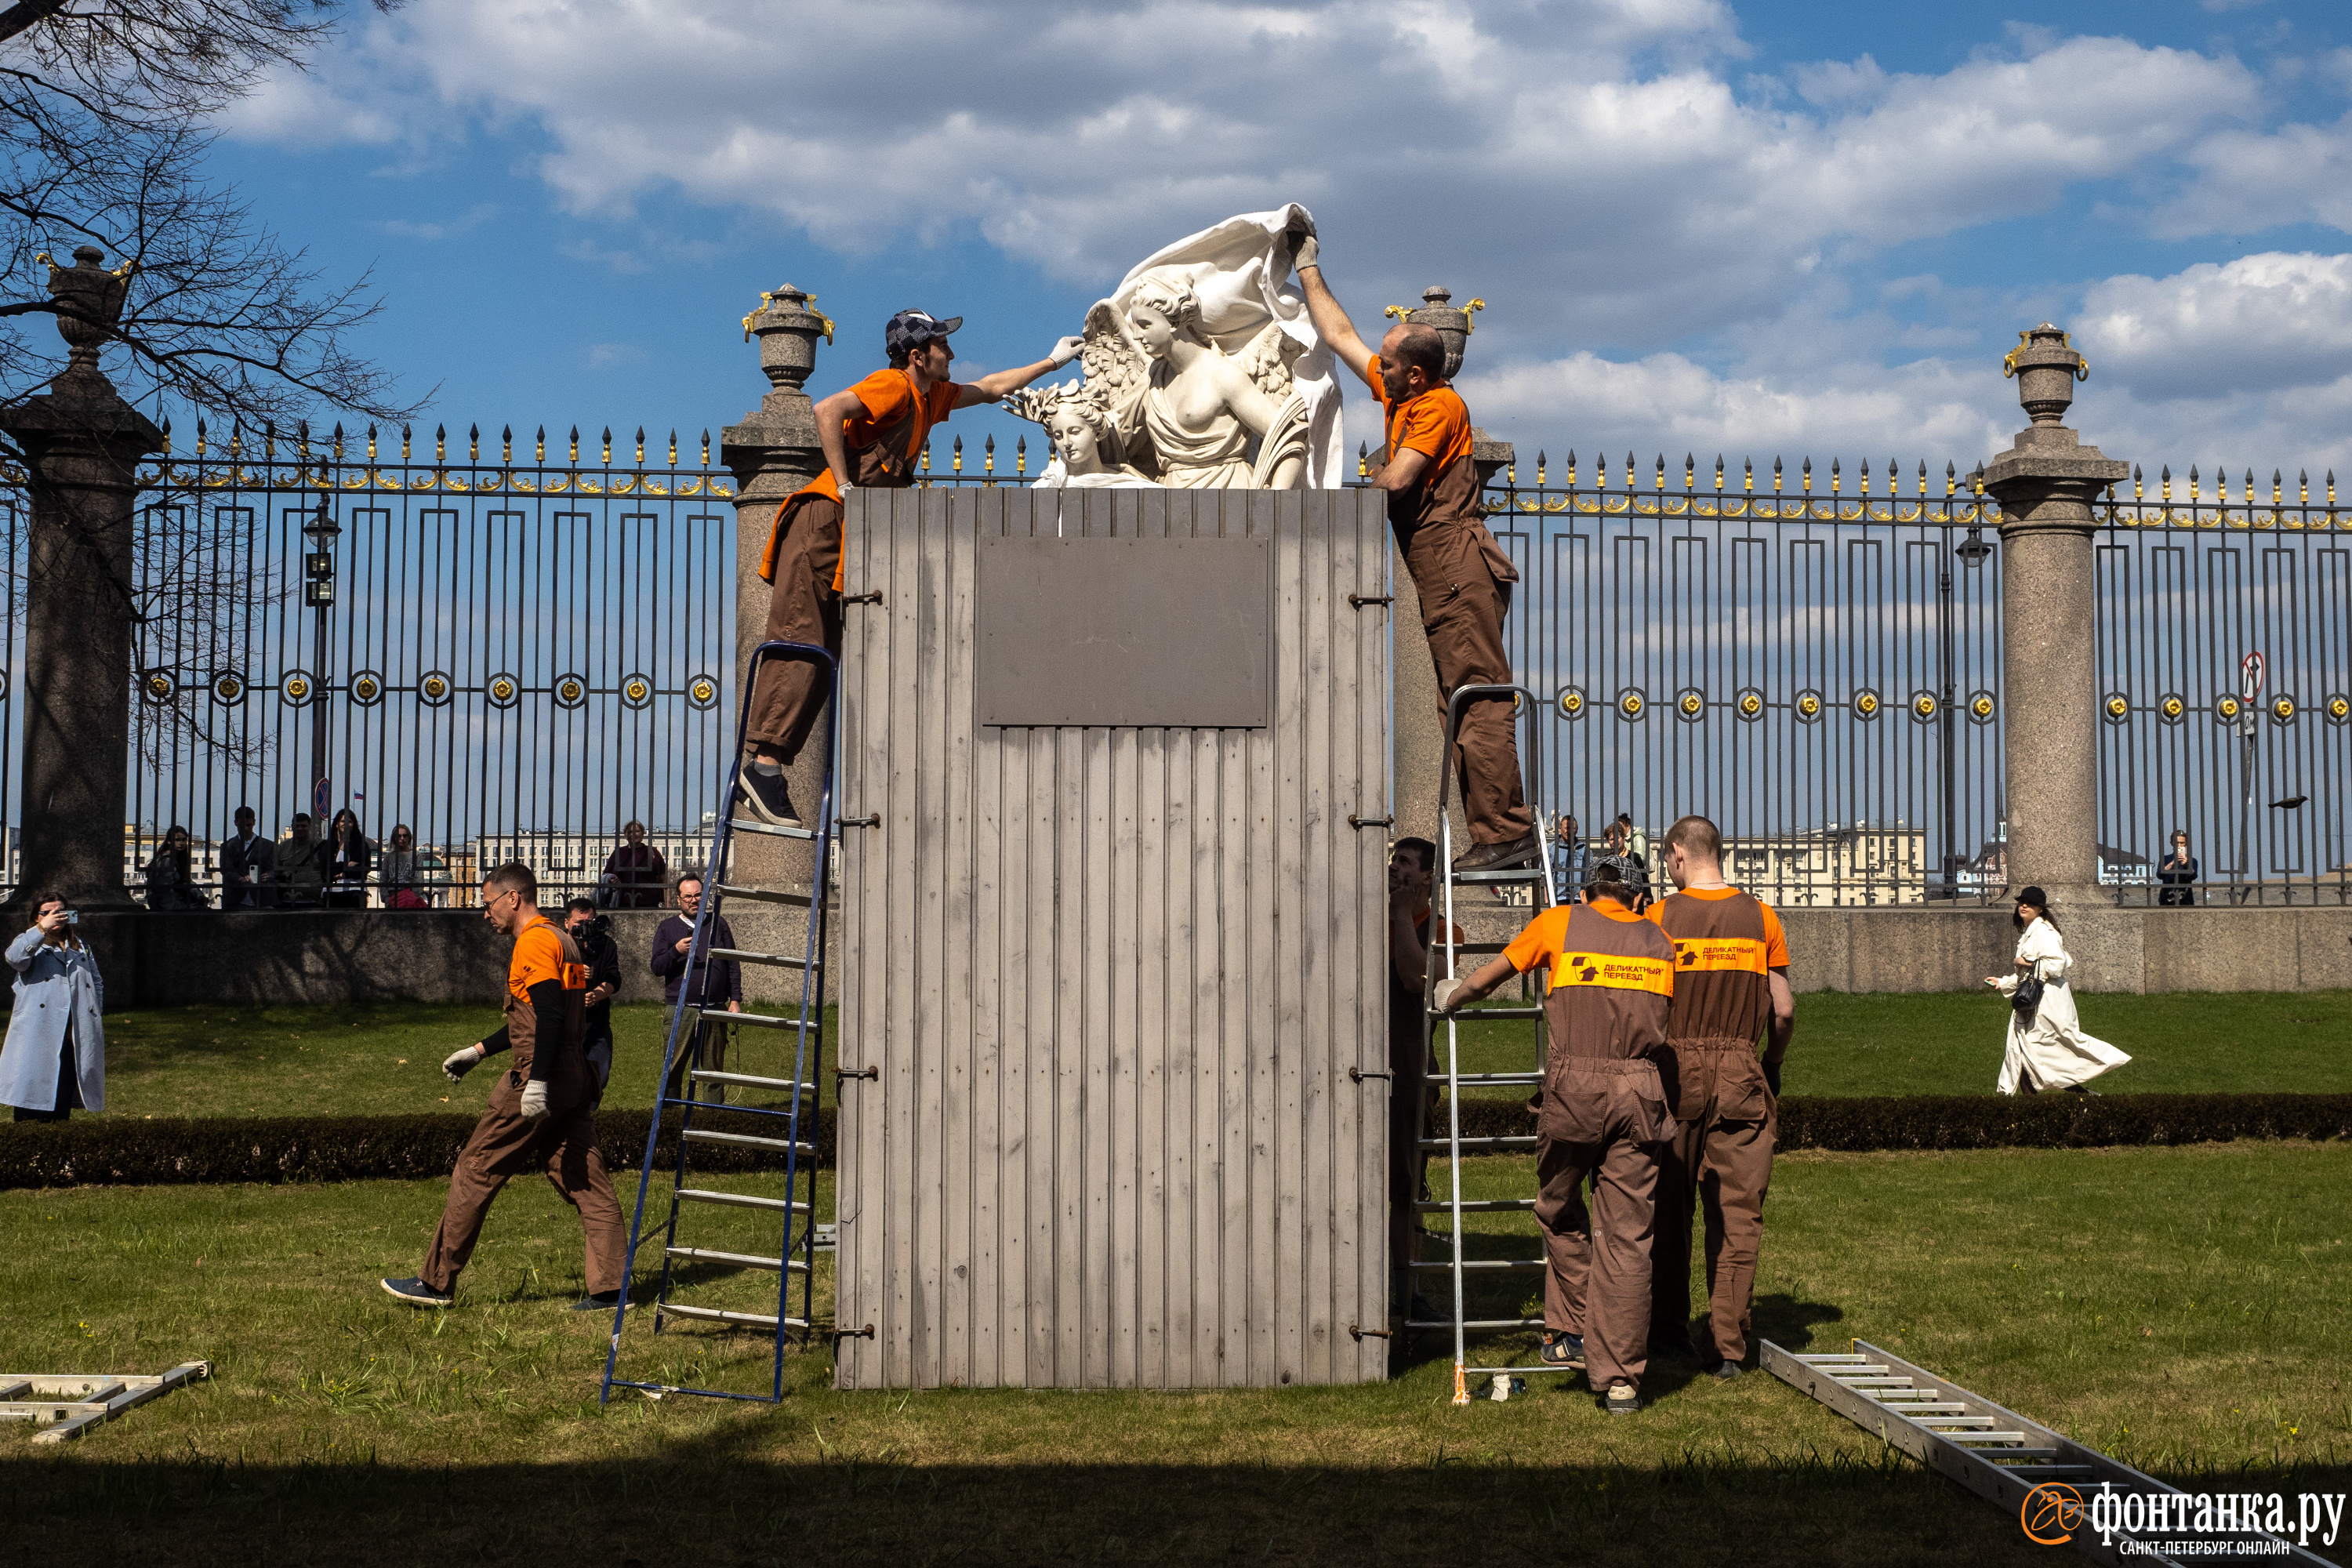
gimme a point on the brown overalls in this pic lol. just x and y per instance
(1725, 1115)
(1603, 1114)
(803, 563)
(1465, 581)
(504, 1143)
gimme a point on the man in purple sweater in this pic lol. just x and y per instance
(710, 983)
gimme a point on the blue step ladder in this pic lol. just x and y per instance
(699, 1120)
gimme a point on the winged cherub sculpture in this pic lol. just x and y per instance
(1206, 370)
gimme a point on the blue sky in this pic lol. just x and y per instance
(1794, 229)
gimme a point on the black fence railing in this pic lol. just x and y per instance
(497, 656)
(2224, 658)
(518, 657)
(1817, 670)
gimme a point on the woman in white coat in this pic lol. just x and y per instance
(55, 1059)
(2047, 1048)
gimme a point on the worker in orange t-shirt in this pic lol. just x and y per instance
(873, 435)
(1464, 577)
(541, 1112)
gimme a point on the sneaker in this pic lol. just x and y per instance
(768, 796)
(1623, 1399)
(1511, 856)
(417, 1293)
(599, 1301)
(1725, 1371)
(1563, 1350)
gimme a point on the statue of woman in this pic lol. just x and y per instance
(1206, 416)
(1086, 444)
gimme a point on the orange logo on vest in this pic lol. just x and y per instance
(1614, 972)
(1740, 953)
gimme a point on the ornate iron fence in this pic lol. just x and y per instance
(1817, 669)
(476, 648)
(505, 652)
(2192, 584)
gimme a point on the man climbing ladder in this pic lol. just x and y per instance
(873, 435)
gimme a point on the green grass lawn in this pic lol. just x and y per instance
(1950, 1043)
(378, 1058)
(2183, 1308)
(355, 1058)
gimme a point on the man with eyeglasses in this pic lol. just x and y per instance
(539, 1111)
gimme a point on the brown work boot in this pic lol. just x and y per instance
(1509, 857)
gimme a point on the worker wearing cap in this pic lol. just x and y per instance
(1731, 985)
(539, 1112)
(873, 435)
(1463, 576)
(1602, 1114)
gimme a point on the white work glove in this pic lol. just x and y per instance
(1065, 351)
(1304, 245)
(460, 1063)
(1441, 999)
(534, 1100)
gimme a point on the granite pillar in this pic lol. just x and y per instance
(2047, 484)
(81, 444)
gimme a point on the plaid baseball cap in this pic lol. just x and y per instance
(911, 330)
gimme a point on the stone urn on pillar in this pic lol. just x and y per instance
(81, 443)
(2048, 484)
(772, 451)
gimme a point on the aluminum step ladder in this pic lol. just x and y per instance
(1444, 958)
(788, 1051)
(2057, 1487)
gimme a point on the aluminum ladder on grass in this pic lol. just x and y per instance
(2053, 1484)
(1453, 1146)
(701, 1118)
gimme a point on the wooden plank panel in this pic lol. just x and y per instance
(902, 1074)
(991, 1242)
(1151, 1032)
(1278, 916)
(969, 1077)
(1318, 925)
(850, 1284)
(1243, 976)
(1375, 666)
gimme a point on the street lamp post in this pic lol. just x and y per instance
(1972, 553)
(319, 594)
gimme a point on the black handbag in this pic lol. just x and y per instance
(2026, 1000)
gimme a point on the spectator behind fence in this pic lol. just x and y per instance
(635, 872)
(172, 875)
(593, 935)
(710, 984)
(1568, 855)
(249, 865)
(396, 872)
(348, 854)
(302, 866)
(2179, 872)
(55, 1059)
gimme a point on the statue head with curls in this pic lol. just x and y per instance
(1160, 312)
(1082, 433)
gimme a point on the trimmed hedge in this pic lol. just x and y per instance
(102, 1151)
(2008, 1121)
(111, 1151)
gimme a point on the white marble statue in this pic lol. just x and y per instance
(1086, 444)
(1206, 372)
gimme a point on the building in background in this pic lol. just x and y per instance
(1843, 864)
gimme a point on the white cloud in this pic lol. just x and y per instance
(1589, 160)
(472, 218)
(614, 356)
(2272, 321)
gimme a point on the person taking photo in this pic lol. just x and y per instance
(55, 1059)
